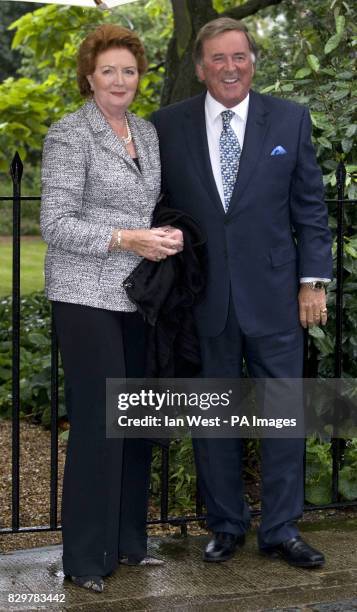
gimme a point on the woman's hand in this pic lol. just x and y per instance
(173, 232)
(155, 244)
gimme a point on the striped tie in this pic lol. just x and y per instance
(230, 153)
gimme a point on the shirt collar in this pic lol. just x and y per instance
(214, 108)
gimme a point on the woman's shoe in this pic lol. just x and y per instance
(137, 561)
(92, 583)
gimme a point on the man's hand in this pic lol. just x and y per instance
(312, 306)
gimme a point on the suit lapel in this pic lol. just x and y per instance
(106, 135)
(255, 132)
(196, 138)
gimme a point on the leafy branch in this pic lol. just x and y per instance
(250, 8)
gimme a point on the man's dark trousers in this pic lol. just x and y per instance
(219, 460)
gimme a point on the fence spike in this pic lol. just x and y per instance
(16, 168)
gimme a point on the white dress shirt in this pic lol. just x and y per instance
(214, 125)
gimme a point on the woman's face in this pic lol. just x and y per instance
(115, 80)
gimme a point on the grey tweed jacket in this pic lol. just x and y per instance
(90, 185)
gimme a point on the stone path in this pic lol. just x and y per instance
(249, 582)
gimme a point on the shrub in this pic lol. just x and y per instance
(35, 359)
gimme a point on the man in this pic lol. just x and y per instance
(243, 165)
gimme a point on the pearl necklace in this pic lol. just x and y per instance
(127, 140)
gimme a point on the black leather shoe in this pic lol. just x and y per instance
(222, 547)
(296, 552)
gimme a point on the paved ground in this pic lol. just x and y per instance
(184, 583)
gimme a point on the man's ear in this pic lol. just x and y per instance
(200, 72)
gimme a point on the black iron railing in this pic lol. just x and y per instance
(337, 444)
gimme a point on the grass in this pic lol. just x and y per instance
(32, 253)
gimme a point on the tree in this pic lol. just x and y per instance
(310, 57)
(48, 40)
(10, 60)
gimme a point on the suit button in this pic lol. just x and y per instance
(226, 221)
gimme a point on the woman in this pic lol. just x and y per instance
(100, 184)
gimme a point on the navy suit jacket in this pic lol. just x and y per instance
(275, 230)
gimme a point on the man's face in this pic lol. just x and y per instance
(227, 67)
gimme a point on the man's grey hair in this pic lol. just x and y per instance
(219, 26)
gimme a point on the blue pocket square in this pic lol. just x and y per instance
(278, 151)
